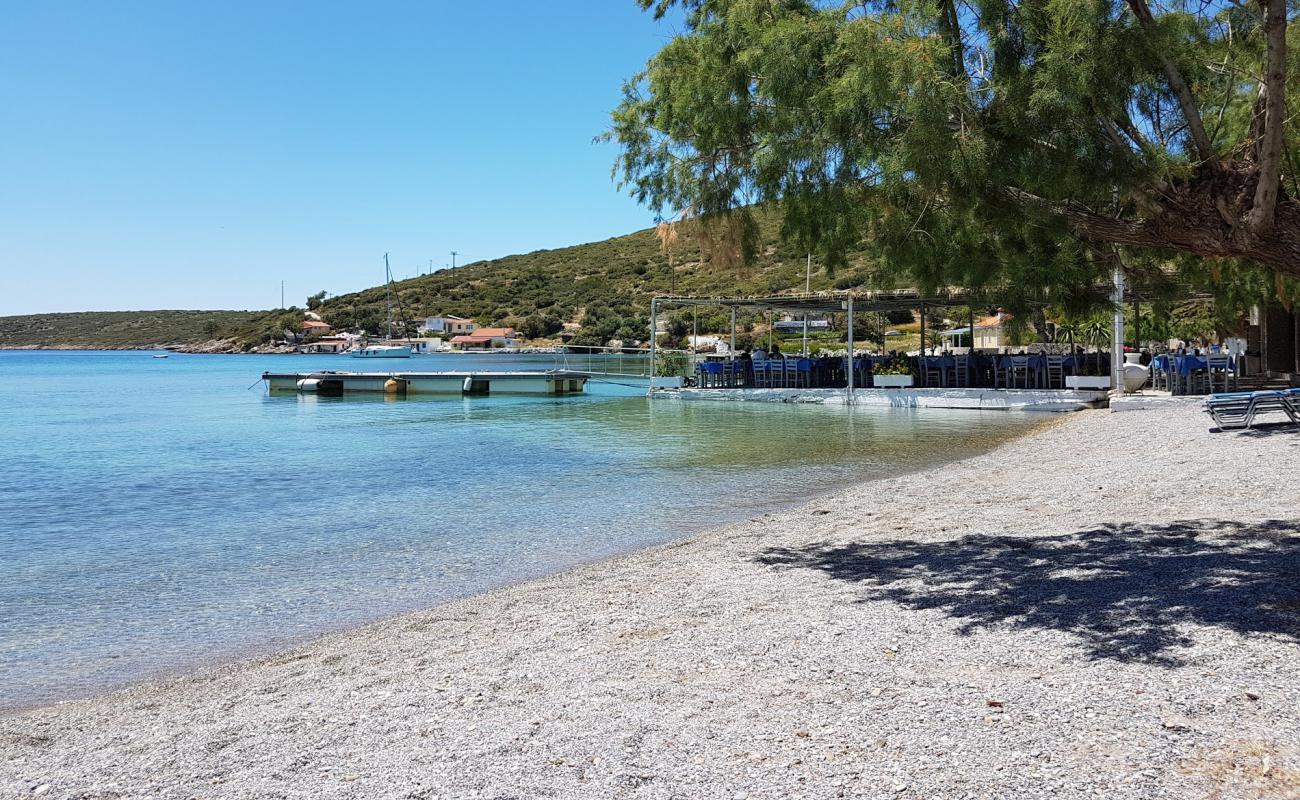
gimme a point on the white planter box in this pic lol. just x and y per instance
(1099, 383)
(891, 381)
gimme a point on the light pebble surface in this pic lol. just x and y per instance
(1107, 607)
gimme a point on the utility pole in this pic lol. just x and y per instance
(453, 259)
(282, 294)
(430, 266)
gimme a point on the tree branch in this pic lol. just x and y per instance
(1195, 125)
(950, 25)
(1260, 218)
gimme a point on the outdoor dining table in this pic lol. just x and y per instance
(1036, 365)
(1189, 368)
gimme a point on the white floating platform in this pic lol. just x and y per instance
(978, 399)
(458, 382)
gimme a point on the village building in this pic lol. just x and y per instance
(330, 345)
(449, 324)
(788, 324)
(993, 333)
(486, 339)
(315, 329)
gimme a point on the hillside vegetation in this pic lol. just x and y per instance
(606, 286)
(118, 329)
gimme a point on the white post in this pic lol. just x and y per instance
(653, 342)
(850, 356)
(1117, 334)
(807, 289)
(733, 332)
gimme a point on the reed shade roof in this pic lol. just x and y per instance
(887, 300)
(825, 302)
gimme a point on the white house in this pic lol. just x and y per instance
(486, 339)
(993, 333)
(449, 324)
(424, 345)
(333, 344)
(789, 324)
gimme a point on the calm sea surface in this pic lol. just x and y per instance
(156, 513)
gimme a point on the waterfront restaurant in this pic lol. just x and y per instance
(1047, 375)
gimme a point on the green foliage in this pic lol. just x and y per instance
(899, 316)
(118, 329)
(672, 364)
(935, 143)
(606, 286)
(895, 366)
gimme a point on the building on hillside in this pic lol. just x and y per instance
(789, 324)
(315, 329)
(956, 337)
(993, 333)
(486, 339)
(449, 324)
(711, 343)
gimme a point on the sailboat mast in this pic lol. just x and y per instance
(388, 299)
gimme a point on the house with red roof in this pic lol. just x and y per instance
(486, 339)
(315, 329)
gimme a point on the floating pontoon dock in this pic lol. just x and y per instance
(472, 383)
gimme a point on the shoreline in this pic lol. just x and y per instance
(251, 654)
(823, 647)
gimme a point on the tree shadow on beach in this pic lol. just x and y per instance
(1129, 592)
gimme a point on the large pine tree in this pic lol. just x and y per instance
(1023, 144)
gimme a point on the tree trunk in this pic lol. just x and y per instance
(1277, 248)
(1260, 219)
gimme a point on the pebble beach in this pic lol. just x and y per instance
(1106, 607)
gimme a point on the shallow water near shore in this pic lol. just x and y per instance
(158, 513)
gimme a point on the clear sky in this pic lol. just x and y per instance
(192, 155)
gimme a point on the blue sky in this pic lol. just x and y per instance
(192, 155)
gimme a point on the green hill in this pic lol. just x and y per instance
(606, 286)
(111, 330)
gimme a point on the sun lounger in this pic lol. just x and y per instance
(1239, 409)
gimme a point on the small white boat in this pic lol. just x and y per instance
(160, 356)
(382, 351)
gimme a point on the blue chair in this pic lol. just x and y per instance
(803, 372)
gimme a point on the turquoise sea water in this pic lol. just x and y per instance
(156, 513)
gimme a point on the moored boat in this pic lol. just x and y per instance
(383, 349)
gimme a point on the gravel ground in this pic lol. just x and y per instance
(1107, 607)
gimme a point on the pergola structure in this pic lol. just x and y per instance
(830, 302)
(850, 301)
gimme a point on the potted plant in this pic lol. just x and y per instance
(894, 374)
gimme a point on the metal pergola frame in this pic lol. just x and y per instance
(896, 299)
(820, 302)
